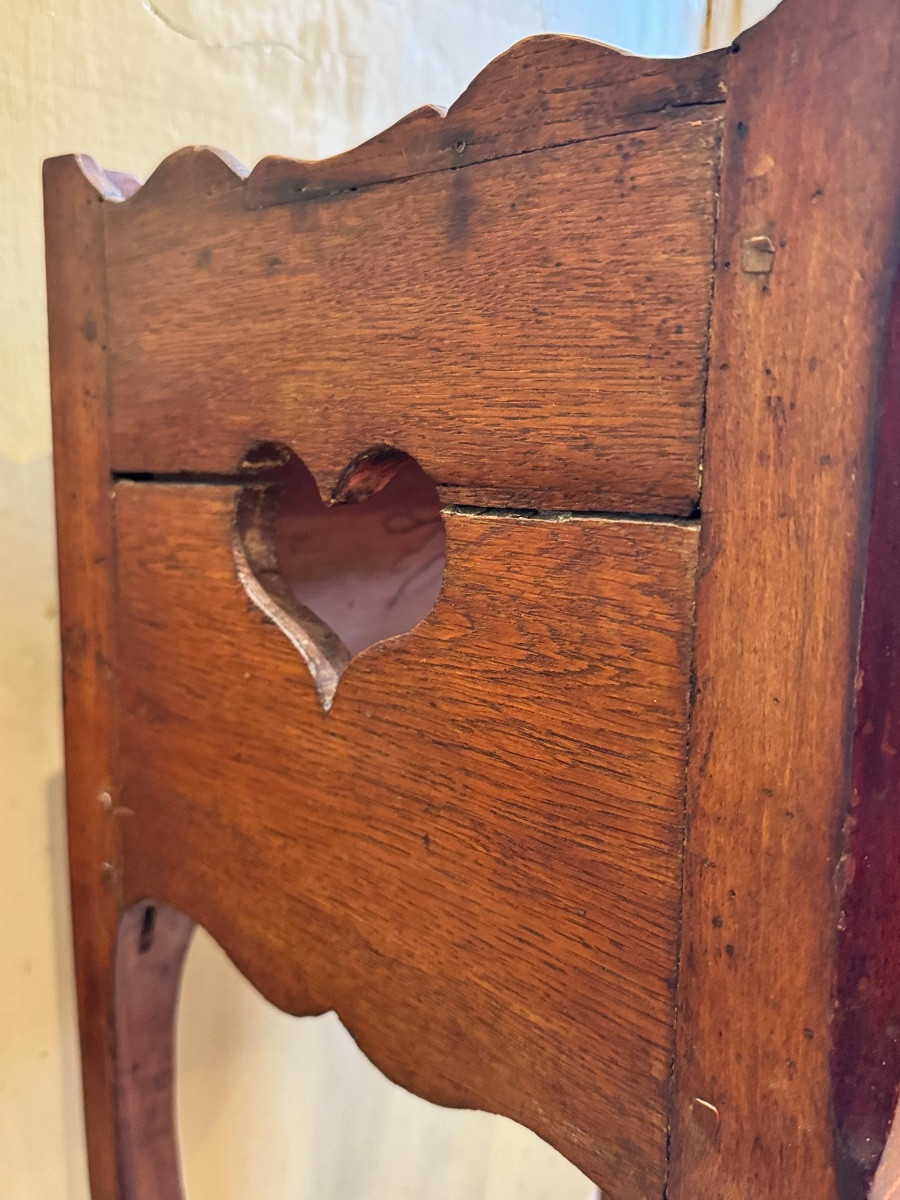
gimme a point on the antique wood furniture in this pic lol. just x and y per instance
(606, 837)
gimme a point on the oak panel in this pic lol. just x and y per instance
(532, 329)
(811, 163)
(475, 857)
(546, 90)
(73, 215)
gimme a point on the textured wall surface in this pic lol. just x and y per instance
(270, 1108)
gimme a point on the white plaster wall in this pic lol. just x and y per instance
(270, 1108)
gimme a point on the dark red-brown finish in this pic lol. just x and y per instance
(866, 1062)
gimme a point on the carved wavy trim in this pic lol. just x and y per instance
(153, 939)
(545, 91)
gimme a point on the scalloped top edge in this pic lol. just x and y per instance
(549, 89)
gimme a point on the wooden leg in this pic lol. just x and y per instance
(151, 947)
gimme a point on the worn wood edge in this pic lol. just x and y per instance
(866, 1029)
(74, 192)
(257, 568)
(429, 139)
(151, 946)
(699, 1158)
(109, 185)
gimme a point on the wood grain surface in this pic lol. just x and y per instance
(811, 164)
(475, 857)
(151, 946)
(544, 91)
(532, 329)
(539, 858)
(74, 194)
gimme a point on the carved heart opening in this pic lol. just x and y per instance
(341, 576)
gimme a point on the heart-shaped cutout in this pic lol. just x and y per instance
(341, 576)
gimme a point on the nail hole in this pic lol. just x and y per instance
(148, 928)
(340, 577)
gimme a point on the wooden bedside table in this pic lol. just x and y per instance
(568, 782)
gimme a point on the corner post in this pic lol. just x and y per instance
(806, 257)
(74, 194)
